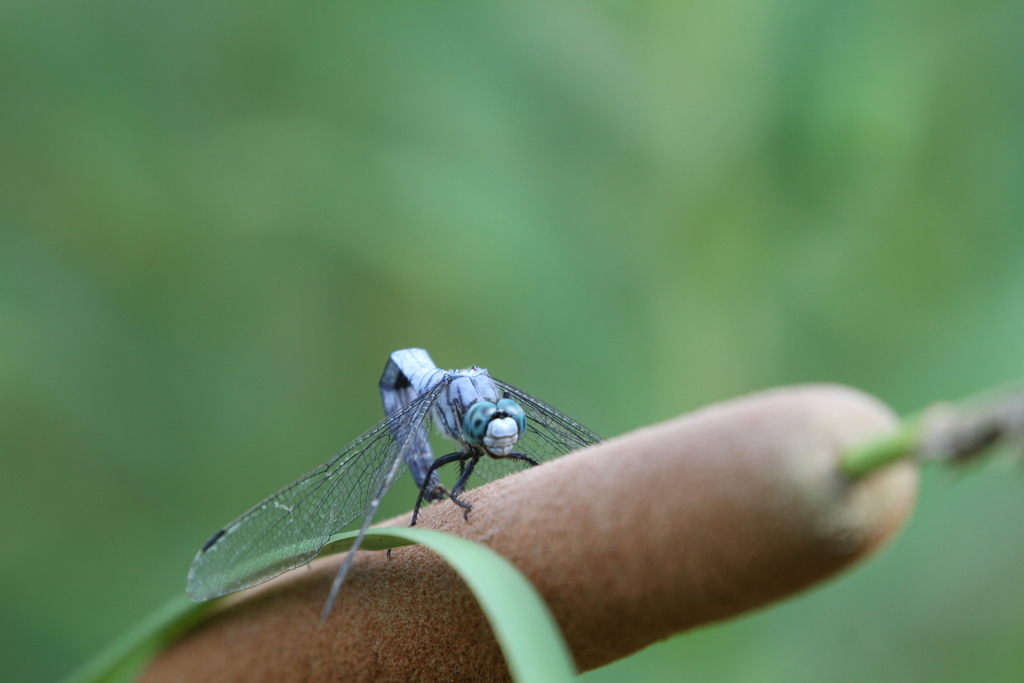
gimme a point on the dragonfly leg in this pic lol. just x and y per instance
(438, 491)
(465, 471)
(466, 507)
(419, 501)
(460, 486)
(517, 456)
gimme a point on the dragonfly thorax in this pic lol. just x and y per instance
(464, 388)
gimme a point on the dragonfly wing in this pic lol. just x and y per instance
(288, 529)
(409, 433)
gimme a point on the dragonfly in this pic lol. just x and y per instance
(496, 428)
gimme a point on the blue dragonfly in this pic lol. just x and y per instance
(497, 429)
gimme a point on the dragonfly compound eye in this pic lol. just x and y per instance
(474, 425)
(515, 411)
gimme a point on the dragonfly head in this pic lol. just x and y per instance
(494, 426)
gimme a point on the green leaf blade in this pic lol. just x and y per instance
(526, 631)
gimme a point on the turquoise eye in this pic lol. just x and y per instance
(515, 411)
(474, 425)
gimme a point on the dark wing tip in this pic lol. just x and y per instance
(213, 539)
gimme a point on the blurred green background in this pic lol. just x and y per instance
(218, 219)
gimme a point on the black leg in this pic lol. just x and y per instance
(517, 456)
(465, 471)
(466, 507)
(459, 457)
(460, 486)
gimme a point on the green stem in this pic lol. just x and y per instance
(874, 454)
(950, 433)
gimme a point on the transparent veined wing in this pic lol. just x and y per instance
(550, 433)
(288, 529)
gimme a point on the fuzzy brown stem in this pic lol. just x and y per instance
(688, 522)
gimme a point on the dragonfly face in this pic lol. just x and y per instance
(496, 427)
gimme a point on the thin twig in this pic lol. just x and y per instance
(946, 432)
